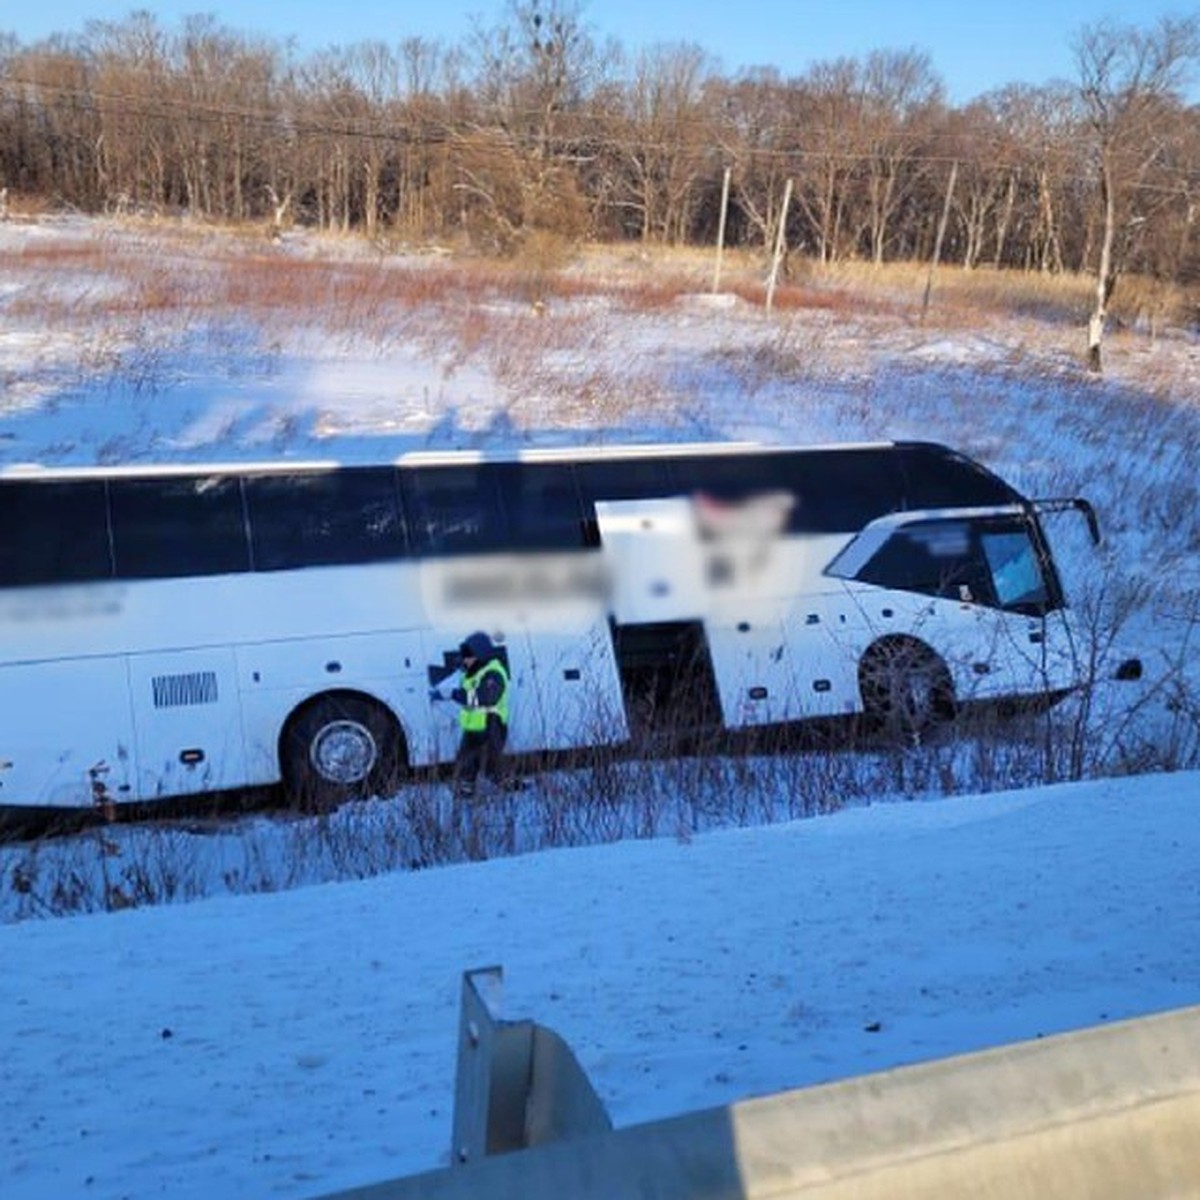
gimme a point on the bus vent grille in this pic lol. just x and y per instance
(176, 691)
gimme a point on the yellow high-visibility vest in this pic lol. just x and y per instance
(472, 717)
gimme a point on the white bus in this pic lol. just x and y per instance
(191, 628)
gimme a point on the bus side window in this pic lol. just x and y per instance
(727, 478)
(53, 531)
(541, 505)
(618, 479)
(937, 477)
(934, 558)
(174, 526)
(454, 509)
(840, 491)
(322, 518)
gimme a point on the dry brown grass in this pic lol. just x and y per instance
(171, 276)
(347, 282)
(955, 293)
(24, 206)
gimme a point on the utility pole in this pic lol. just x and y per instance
(721, 231)
(779, 243)
(941, 233)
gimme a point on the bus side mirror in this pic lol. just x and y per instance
(1089, 515)
(1080, 505)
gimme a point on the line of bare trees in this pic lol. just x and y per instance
(533, 126)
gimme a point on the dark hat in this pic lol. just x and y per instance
(478, 645)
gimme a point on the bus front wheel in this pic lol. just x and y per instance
(339, 747)
(905, 688)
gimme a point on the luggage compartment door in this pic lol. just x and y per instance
(188, 719)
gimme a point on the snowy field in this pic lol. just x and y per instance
(286, 1044)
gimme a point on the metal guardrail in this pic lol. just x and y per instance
(1108, 1113)
(519, 1084)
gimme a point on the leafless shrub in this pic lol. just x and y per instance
(538, 257)
(605, 795)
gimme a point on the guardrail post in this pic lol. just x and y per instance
(518, 1084)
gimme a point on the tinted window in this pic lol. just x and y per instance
(991, 561)
(178, 526)
(841, 490)
(834, 491)
(935, 558)
(455, 509)
(319, 518)
(622, 479)
(936, 477)
(541, 505)
(739, 493)
(838, 491)
(53, 532)
(730, 477)
(618, 479)
(1016, 573)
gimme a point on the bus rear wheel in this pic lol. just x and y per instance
(340, 747)
(905, 688)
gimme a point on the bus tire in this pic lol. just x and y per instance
(905, 687)
(340, 746)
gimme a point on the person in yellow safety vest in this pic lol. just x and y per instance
(482, 717)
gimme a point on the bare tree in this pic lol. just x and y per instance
(831, 130)
(754, 127)
(901, 94)
(57, 123)
(424, 195)
(529, 129)
(663, 143)
(1161, 244)
(333, 116)
(985, 192)
(1042, 125)
(533, 73)
(1129, 80)
(376, 73)
(859, 137)
(130, 69)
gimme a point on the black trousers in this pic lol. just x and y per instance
(481, 752)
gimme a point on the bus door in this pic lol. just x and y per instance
(188, 721)
(67, 737)
(661, 604)
(752, 666)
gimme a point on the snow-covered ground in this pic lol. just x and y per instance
(286, 1044)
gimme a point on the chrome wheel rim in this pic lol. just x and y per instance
(343, 752)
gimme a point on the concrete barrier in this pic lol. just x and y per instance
(1108, 1113)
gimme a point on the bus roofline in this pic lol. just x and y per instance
(23, 471)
